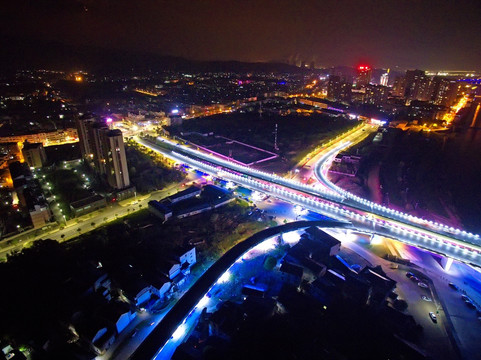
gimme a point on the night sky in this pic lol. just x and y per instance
(425, 34)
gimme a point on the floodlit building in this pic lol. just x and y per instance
(385, 78)
(444, 91)
(56, 137)
(34, 154)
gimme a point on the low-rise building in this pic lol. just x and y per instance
(30, 194)
(171, 268)
(191, 201)
(40, 215)
(322, 240)
(98, 332)
(160, 210)
(118, 313)
(188, 193)
(314, 249)
(46, 138)
(87, 205)
(34, 154)
(291, 273)
(186, 257)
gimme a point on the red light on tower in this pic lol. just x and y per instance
(363, 75)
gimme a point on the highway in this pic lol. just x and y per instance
(321, 169)
(333, 202)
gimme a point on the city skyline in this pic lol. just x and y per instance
(425, 35)
(240, 179)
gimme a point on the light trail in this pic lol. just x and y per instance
(368, 215)
(321, 168)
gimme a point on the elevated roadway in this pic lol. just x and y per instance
(333, 201)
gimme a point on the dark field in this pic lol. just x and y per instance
(230, 148)
(297, 134)
(432, 175)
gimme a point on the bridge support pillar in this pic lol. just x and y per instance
(446, 263)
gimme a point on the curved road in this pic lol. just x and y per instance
(170, 332)
(390, 222)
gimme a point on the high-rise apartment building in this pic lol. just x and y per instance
(384, 78)
(444, 91)
(83, 128)
(338, 89)
(104, 150)
(399, 86)
(417, 86)
(115, 160)
(375, 94)
(364, 74)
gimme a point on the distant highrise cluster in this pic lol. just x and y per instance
(416, 85)
(104, 149)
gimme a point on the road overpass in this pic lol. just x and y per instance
(334, 202)
(321, 169)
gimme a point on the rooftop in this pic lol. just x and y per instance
(190, 190)
(89, 200)
(29, 146)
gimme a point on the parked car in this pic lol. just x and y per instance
(423, 285)
(409, 274)
(433, 317)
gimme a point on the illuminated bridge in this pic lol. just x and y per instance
(335, 202)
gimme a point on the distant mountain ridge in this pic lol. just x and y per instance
(34, 54)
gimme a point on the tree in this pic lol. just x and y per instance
(62, 236)
(92, 224)
(270, 262)
(79, 230)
